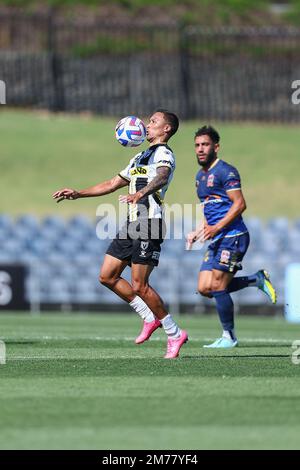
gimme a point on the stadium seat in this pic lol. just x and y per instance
(64, 260)
(56, 292)
(68, 246)
(296, 224)
(80, 222)
(40, 246)
(54, 221)
(13, 248)
(6, 222)
(254, 224)
(279, 225)
(27, 221)
(50, 233)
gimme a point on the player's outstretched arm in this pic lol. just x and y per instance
(100, 189)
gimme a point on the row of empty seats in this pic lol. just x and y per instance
(63, 260)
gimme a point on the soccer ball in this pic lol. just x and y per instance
(130, 131)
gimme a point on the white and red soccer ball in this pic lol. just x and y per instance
(130, 131)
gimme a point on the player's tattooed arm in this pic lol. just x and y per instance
(157, 183)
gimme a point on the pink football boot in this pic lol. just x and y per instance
(174, 345)
(148, 329)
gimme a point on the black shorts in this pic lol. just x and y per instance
(137, 250)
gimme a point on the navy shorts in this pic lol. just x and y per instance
(141, 247)
(136, 251)
(226, 254)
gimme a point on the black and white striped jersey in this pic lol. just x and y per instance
(141, 170)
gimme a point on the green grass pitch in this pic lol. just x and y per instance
(80, 382)
(42, 152)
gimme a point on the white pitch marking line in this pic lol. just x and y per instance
(127, 338)
(42, 358)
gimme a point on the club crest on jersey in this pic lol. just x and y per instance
(210, 181)
(225, 257)
(139, 170)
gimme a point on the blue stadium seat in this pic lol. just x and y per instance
(85, 291)
(271, 243)
(173, 247)
(297, 224)
(50, 233)
(95, 246)
(279, 225)
(68, 246)
(6, 258)
(57, 291)
(84, 259)
(53, 222)
(64, 260)
(254, 224)
(54, 256)
(256, 228)
(4, 235)
(251, 296)
(25, 234)
(27, 221)
(6, 222)
(13, 248)
(40, 246)
(80, 222)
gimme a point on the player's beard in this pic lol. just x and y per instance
(211, 156)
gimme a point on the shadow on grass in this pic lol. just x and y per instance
(12, 341)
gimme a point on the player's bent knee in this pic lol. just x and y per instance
(139, 288)
(105, 280)
(217, 286)
(205, 291)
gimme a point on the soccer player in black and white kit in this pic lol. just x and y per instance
(148, 176)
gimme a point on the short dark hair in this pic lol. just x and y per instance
(210, 131)
(171, 119)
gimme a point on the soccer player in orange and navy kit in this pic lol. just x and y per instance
(219, 190)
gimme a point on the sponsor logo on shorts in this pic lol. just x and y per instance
(144, 246)
(225, 257)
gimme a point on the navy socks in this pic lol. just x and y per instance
(239, 283)
(225, 308)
